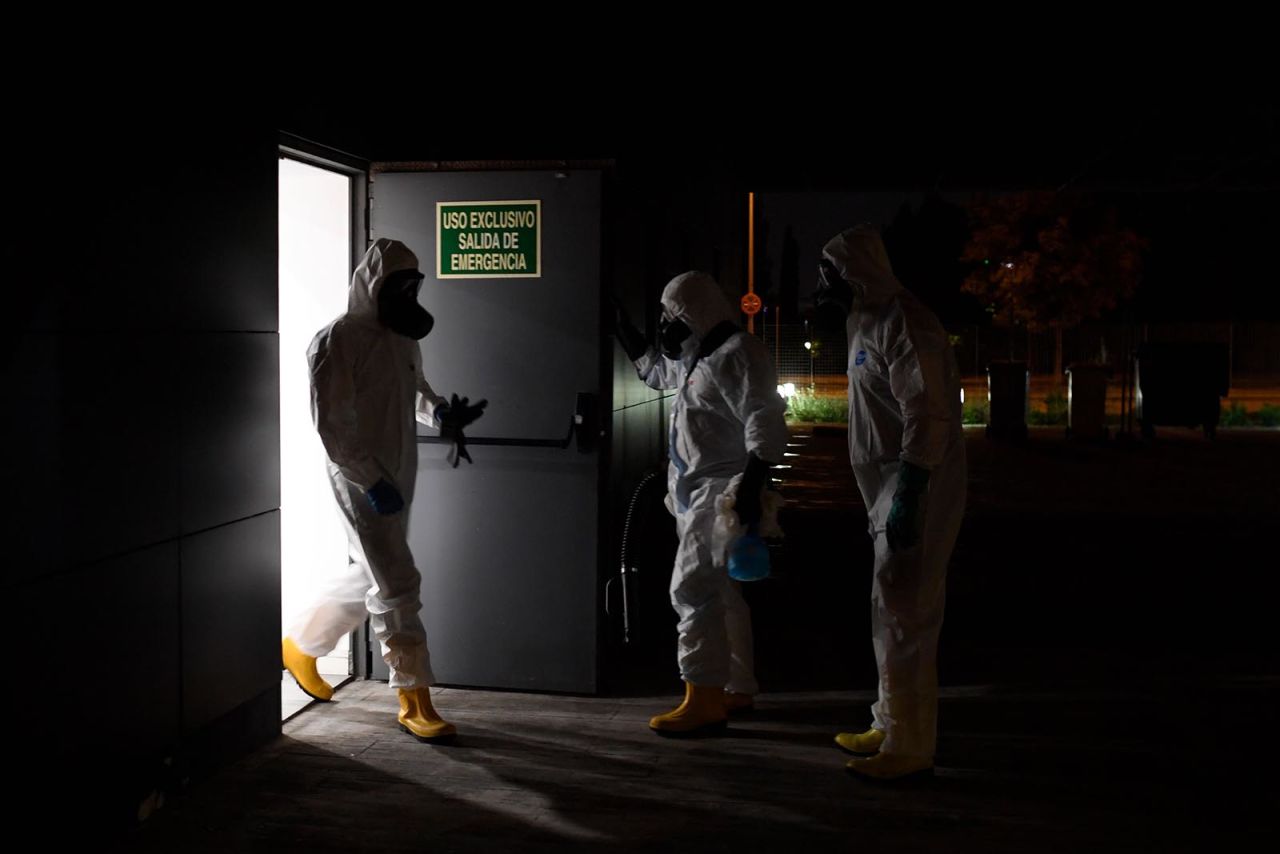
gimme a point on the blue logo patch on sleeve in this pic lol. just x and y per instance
(860, 357)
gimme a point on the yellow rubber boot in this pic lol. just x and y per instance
(890, 766)
(303, 669)
(861, 743)
(735, 702)
(418, 717)
(703, 709)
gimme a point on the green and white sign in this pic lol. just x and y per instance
(489, 240)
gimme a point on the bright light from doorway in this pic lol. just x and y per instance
(315, 262)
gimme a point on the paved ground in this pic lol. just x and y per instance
(1109, 683)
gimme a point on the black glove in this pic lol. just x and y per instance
(457, 450)
(902, 529)
(458, 413)
(453, 417)
(631, 338)
(384, 498)
(747, 503)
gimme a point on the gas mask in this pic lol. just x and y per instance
(674, 337)
(398, 308)
(833, 299)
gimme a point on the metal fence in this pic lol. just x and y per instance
(806, 356)
(813, 359)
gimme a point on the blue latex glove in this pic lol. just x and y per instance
(902, 529)
(385, 498)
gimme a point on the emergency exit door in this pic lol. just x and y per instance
(508, 547)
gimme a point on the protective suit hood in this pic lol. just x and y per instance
(859, 254)
(384, 257)
(696, 299)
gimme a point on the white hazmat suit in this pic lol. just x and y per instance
(367, 390)
(726, 407)
(904, 407)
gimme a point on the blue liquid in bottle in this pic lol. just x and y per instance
(749, 558)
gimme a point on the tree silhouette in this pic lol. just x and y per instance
(1050, 261)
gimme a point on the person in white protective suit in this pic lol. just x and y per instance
(906, 446)
(367, 390)
(727, 428)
